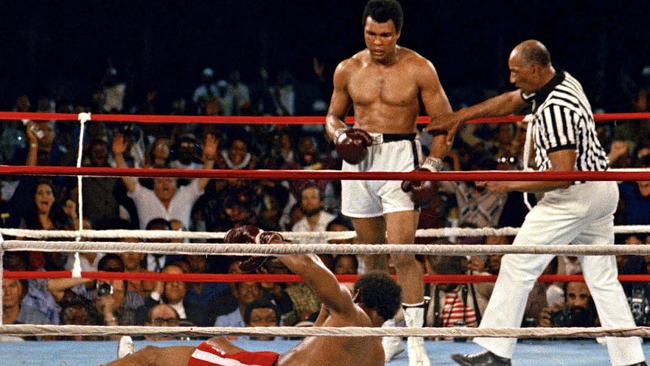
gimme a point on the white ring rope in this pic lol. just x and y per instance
(321, 235)
(292, 249)
(83, 118)
(63, 330)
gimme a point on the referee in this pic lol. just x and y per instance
(564, 136)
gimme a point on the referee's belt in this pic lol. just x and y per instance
(380, 138)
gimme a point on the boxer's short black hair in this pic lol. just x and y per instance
(378, 291)
(384, 10)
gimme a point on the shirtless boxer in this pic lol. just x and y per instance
(376, 299)
(384, 84)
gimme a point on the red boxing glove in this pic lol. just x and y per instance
(352, 144)
(250, 234)
(423, 192)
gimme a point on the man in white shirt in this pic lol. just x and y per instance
(167, 200)
(315, 218)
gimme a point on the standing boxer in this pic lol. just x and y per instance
(565, 139)
(383, 83)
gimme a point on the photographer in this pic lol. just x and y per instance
(637, 293)
(452, 305)
(576, 311)
(115, 304)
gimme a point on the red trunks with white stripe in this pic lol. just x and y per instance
(206, 355)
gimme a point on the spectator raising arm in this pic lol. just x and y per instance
(210, 149)
(32, 153)
(119, 147)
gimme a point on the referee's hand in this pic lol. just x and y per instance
(446, 123)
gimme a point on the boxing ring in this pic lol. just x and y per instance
(579, 349)
(527, 353)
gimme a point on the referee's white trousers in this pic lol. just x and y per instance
(580, 214)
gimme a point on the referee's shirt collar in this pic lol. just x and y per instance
(540, 96)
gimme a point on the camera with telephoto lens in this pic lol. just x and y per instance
(563, 318)
(104, 289)
(639, 304)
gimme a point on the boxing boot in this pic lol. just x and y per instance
(393, 346)
(414, 318)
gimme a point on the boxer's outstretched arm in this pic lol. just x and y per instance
(333, 295)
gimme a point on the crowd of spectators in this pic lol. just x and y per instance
(218, 205)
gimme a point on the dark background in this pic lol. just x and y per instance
(61, 48)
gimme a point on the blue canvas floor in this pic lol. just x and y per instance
(528, 353)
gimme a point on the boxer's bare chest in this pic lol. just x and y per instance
(373, 84)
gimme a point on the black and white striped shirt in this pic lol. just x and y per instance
(563, 120)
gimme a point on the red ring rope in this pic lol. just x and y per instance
(329, 175)
(209, 277)
(258, 120)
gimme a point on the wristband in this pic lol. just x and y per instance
(432, 164)
(338, 133)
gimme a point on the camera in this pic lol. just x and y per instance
(104, 288)
(639, 304)
(37, 131)
(563, 318)
(574, 317)
(129, 131)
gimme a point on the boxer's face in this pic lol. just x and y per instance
(381, 39)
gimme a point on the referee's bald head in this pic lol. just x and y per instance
(533, 52)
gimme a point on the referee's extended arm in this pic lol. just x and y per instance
(501, 105)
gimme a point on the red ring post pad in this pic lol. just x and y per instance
(258, 120)
(209, 277)
(628, 175)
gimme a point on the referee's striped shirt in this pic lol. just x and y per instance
(563, 120)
